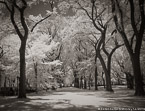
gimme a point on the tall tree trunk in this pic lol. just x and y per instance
(89, 84)
(132, 47)
(129, 80)
(36, 76)
(85, 83)
(139, 90)
(108, 82)
(96, 78)
(22, 85)
(103, 80)
(107, 74)
(22, 32)
(76, 82)
(81, 83)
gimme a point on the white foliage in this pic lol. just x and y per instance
(55, 63)
(38, 46)
(63, 7)
(35, 18)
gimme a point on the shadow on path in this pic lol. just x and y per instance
(71, 99)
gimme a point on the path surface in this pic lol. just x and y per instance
(72, 99)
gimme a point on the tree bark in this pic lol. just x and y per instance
(23, 35)
(81, 83)
(139, 90)
(96, 78)
(108, 83)
(107, 74)
(103, 80)
(76, 80)
(85, 83)
(22, 85)
(138, 31)
(129, 80)
(36, 76)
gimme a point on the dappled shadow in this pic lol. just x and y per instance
(123, 97)
(14, 104)
(140, 103)
(73, 100)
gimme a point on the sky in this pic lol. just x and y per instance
(41, 9)
(37, 9)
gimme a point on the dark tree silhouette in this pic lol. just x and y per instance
(133, 45)
(97, 20)
(12, 6)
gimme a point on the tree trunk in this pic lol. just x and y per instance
(139, 89)
(36, 75)
(22, 87)
(5, 82)
(103, 80)
(85, 83)
(76, 82)
(96, 76)
(81, 83)
(89, 84)
(129, 80)
(107, 74)
(138, 31)
(108, 83)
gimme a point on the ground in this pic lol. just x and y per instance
(73, 99)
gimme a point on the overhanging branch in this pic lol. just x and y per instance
(39, 22)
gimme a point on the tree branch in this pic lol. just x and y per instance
(133, 17)
(6, 5)
(39, 22)
(2, 52)
(104, 50)
(84, 10)
(140, 35)
(122, 33)
(121, 15)
(132, 39)
(14, 23)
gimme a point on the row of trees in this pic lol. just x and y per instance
(88, 40)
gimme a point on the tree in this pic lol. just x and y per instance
(100, 23)
(1, 52)
(122, 68)
(18, 7)
(10, 61)
(39, 47)
(134, 40)
(23, 35)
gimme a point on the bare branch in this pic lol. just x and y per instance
(100, 23)
(100, 13)
(121, 15)
(104, 49)
(133, 17)
(85, 11)
(2, 52)
(39, 22)
(6, 6)
(117, 24)
(91, 41)
(14, 23)
(113, 50)
(94, 36)
(132, 39)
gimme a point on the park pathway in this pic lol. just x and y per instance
(72, 99)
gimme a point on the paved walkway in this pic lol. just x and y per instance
(72, 99)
